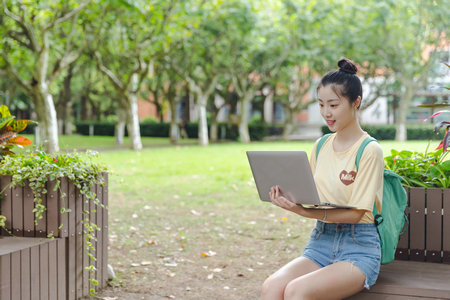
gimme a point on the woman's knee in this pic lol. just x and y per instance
(272, 286)
(297, 290)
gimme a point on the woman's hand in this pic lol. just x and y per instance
(279, 199)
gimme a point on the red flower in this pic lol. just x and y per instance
(54, 159)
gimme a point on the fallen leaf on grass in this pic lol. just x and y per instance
(171, 264)
(208, 254)
(195, 213)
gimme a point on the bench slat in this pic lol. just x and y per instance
(411, 278)
(403, 242)
(79, 244)
(5, 279)
(34, 272)
(25, 279)
(99, 235)
(17, 209)
(6, 203)
(105, 231)
(434, 225)
(28, 214)
(417, 224)
(446, 231)
(71, 245)
(41, 227)
(52, 208)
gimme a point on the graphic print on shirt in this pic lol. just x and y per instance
(347, 178)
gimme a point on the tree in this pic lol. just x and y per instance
(410, 32)
(125, 41)
(34, 53)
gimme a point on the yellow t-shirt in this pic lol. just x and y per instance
(338, 182)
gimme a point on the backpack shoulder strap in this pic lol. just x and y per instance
(359, 154)
(361, 150)
(321, 142)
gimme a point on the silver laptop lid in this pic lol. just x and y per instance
(288, 169)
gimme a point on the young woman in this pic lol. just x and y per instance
(343, 254)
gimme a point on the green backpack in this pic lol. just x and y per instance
(392, 222)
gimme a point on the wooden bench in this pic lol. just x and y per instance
(422, 266)
(34, 267)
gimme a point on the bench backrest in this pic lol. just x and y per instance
(428, 236)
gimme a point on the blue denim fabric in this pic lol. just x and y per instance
(358, 244)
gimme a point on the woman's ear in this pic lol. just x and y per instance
(357, 102)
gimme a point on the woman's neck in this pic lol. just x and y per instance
(347, 136)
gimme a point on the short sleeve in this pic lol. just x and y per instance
(312, 159)
(368, 185)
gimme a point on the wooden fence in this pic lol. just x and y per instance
(428, 236)
(60, 262)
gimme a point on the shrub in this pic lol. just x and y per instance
(387, 132)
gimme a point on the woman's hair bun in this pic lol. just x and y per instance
(347, 66)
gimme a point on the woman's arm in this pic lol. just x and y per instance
(335, 215)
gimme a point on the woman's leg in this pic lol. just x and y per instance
(336, 281)
(274, 286)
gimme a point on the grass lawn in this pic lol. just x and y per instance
(83, 142)
(186, 222)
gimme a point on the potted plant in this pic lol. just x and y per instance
(60, 195)
(426, 177)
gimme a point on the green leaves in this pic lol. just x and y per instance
(8, 129)
(428, 169)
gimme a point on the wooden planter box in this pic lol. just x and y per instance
(17, 205)
(428, 236)
(422, 266)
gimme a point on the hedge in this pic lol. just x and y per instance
(257, 131)
(387, 132)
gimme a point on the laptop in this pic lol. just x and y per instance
(291, 171)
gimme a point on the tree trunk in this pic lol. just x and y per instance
(405, 100)
(68, 109)
(68, 120)
(214, 132)
(202, 121)
(134, 131)
(243, 124)
(174, 130)
(289, 123)
(119, 132)
(46, 117)
(268, 108)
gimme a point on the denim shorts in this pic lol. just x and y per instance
(358, 244)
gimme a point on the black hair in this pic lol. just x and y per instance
(344, 81)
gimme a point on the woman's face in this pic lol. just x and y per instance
(336, 110)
